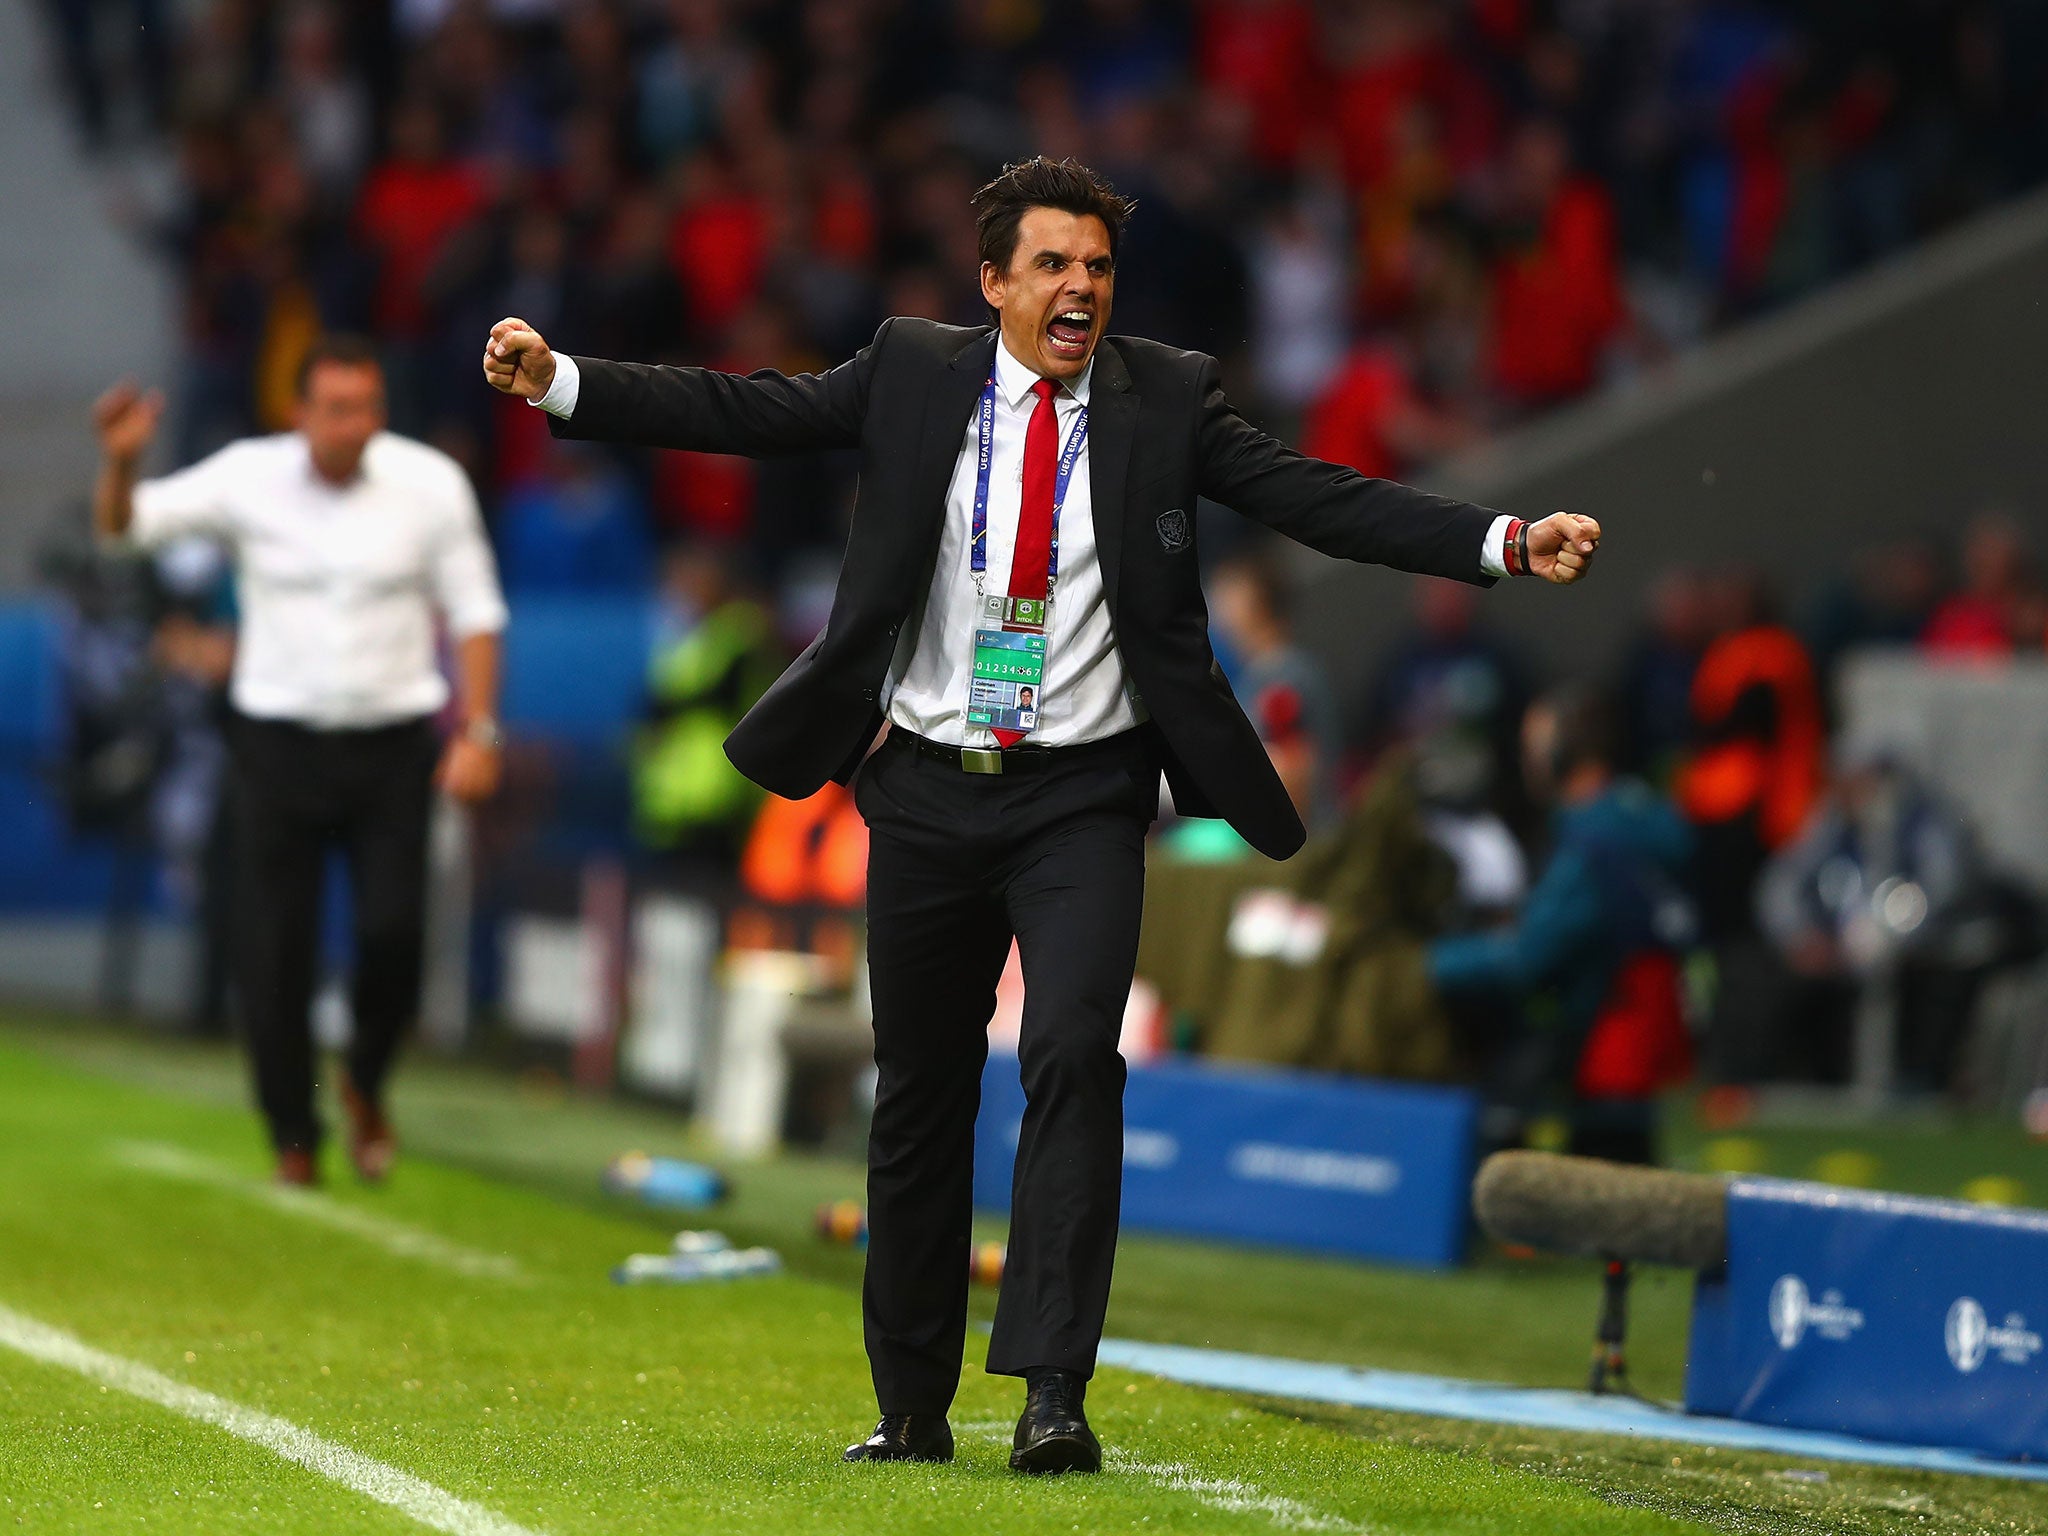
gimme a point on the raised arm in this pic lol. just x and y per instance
(1340, 512)
(196, 500)
(761, 415)
(125, 419)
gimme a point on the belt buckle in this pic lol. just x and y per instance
(981, 760)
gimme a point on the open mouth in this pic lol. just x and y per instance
(1067, 333)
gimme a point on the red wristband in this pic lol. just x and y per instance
(1511, 551)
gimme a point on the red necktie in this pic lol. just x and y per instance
(1034, 518)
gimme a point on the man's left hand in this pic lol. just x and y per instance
(1562, 546)
(469, 770)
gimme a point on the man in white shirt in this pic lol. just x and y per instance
(1022, 534)
(348, 540)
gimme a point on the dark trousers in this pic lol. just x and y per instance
(958, 864)
(300, 794)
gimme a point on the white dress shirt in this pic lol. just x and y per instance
(1087, 693)
(337, 584)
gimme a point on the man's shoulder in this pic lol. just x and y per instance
(1155, 362)
(931, 338)
(270, 450)
(408, 462)
(252, 466)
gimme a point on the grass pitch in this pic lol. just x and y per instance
(458, 1326)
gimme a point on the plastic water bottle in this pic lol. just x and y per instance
(685, 1268)
(665, 1181)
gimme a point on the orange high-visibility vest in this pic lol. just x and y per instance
(808, 852)
(1777, 776)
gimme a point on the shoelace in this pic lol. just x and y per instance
(1059, 1399)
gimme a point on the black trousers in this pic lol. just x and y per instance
(299, 795)
(958, 864)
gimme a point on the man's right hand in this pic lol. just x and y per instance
(125, 418)
(517, 361)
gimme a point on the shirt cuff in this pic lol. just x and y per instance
(560, 400)
(1493, 558)
(486, 615)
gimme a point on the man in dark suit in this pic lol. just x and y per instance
(1071, 461)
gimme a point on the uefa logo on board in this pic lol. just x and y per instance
(1972, 1338)
(1794, 1311)
(1788, 1310)
(1966, 1333)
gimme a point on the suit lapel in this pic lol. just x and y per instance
(1112, 424)
(947, 410)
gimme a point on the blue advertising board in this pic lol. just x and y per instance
(1887, 1316)
(1332, 1165)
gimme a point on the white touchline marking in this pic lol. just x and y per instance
(1227, 1494)
(392, 1236)
(409, 1495)
(990, 1429)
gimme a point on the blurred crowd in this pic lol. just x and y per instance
(1689, 858)
(1403, 224)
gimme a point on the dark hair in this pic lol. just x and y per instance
(1585, 727)
(339, 347)
(1067, 185)
(1261, 568)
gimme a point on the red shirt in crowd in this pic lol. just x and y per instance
(1348, 421)
(710, 495)
(719, 245)
(1555, 305)
(1762, 184)
(1374, 97)
(844, 226)
(1262, 55)
(408, 212)
(1969, 626)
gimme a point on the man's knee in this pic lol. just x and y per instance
(1075, 1059)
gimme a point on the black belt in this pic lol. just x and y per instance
(1025, 757)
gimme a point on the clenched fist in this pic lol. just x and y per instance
(517, 361)
(125, 418)
(1562, 546)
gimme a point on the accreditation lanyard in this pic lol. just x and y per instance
(986, 430)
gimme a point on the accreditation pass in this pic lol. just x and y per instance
(1009, 665)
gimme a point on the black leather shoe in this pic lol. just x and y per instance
(906, 1437)
(1053, 1435)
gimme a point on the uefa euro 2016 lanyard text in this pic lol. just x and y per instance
(1008, 683)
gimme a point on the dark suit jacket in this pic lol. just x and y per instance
(1160, 434)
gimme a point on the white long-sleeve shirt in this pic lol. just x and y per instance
(338, 585)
